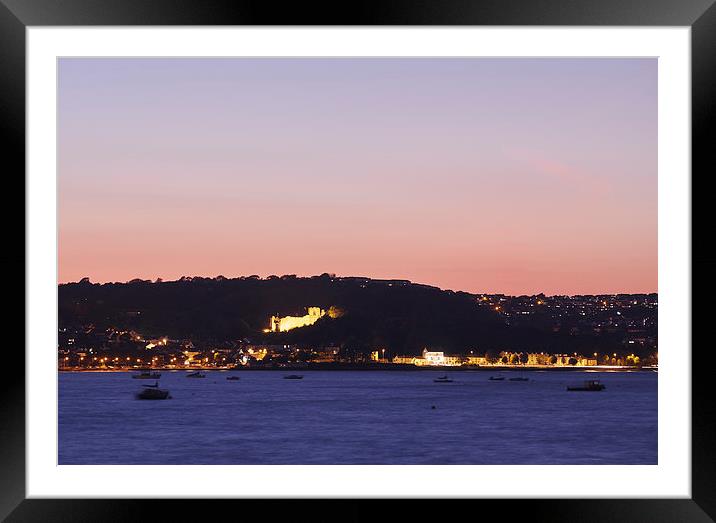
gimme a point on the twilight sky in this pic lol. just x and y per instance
(517, 176)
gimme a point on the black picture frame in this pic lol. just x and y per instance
(699, 15)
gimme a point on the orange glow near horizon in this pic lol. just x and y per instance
(514, 176)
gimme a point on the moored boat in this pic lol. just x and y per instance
(232, 378)
(196, 374)
(497, 378)
(442, 379)
(146, 374)
(153, 392)
(293, 377)
(589, 385)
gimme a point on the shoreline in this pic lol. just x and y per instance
(381, 367)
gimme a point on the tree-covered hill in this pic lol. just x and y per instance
(398, 315)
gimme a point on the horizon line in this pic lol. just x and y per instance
(333, 275)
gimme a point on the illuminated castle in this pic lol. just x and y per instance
(287, 323)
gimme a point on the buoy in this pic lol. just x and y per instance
(432, 407)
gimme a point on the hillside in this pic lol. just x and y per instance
(398, 315)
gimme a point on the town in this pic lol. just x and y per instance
(630, 319)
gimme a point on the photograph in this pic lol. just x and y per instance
(375, 260)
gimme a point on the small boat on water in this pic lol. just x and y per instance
(232, 378)
(153, 392)
(196, 374)
(442, 379)
(293, 377)
(146, 374)
(589, 385)
(497, 378)
(519, 379)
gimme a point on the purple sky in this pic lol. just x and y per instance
(484, 175)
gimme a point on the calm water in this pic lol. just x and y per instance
(359, 417)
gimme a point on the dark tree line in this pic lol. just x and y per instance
(396, 315)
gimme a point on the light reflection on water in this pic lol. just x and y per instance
(359, 417)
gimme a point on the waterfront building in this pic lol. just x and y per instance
(538, 358)
(452, 361)
(434, 358)
(438, 358)
(586, 362)
(562, 359)
(476, 360)
(404, 360)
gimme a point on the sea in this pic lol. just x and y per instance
(391, 417)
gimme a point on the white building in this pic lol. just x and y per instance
(434, 358)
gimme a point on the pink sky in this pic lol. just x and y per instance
(517, 176)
